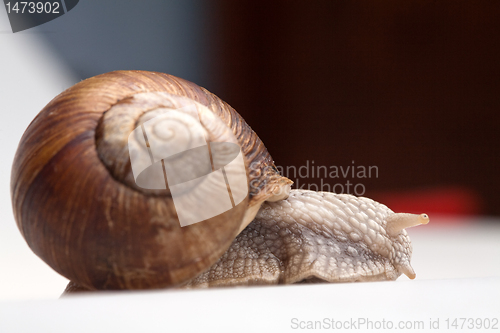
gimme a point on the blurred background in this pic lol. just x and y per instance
(410, 87)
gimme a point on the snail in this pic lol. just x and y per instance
(101, 194)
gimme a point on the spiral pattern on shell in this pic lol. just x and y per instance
(76, 200)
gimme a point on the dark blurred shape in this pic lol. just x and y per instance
(70, 4)
(412, 87)
(28, 14)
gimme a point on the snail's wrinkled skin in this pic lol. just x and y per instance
(316, 236)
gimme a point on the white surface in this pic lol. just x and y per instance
(262, 309)
(459, 248)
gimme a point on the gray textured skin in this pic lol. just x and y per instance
(310, 237)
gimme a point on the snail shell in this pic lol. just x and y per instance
(81, 208)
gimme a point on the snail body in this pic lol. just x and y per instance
(317, 236)
(116, 184)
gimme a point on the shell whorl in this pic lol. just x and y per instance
(147, 127)
(82, 214)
